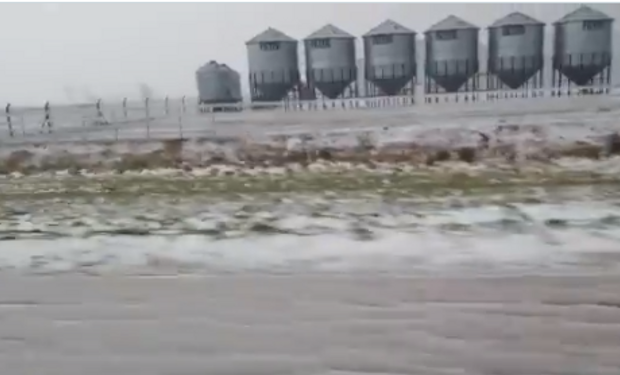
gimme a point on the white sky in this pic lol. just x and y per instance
(67, 52)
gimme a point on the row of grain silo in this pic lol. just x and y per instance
(582, 51)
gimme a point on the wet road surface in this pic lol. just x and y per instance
(304, 324)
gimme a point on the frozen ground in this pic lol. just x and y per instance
(519, 230)
(530, 128)
(420, 271)
(514, 282)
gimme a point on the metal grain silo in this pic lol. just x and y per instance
(218, 84)
(330, 60)
(390, 56)
(451, 53)
(273, 65)
(234, 81)
(582, 44)
(516, 48)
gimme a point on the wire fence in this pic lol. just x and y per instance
(185, 118)
(93, 121)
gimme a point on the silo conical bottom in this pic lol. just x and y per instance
(332, 90)
(515, 79)
(581, 75)
(451, 83)
(391, 86)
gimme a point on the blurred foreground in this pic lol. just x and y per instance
(452, 243)
(253, 324)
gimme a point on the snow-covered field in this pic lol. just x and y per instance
(522, 230)
(231, 218)
(530, 127)
(510, 281)
(331, 268)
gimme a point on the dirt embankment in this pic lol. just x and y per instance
(187, 154)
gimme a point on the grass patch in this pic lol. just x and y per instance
(396, 184)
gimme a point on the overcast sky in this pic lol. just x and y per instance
(75, 52)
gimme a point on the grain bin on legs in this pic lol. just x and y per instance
(390, 59)
(218, 84)
(274, 67)
(516, 51)
(451, 55)
(582, 48)
(330, 62)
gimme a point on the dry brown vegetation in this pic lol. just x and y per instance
(581, 150)
(183, 154)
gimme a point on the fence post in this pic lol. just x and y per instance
(83, 130)
(8, 119)
(48, 118)
(101, 120)
(148, 118)
(181, 126)
(125, 108)
(183, 103)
